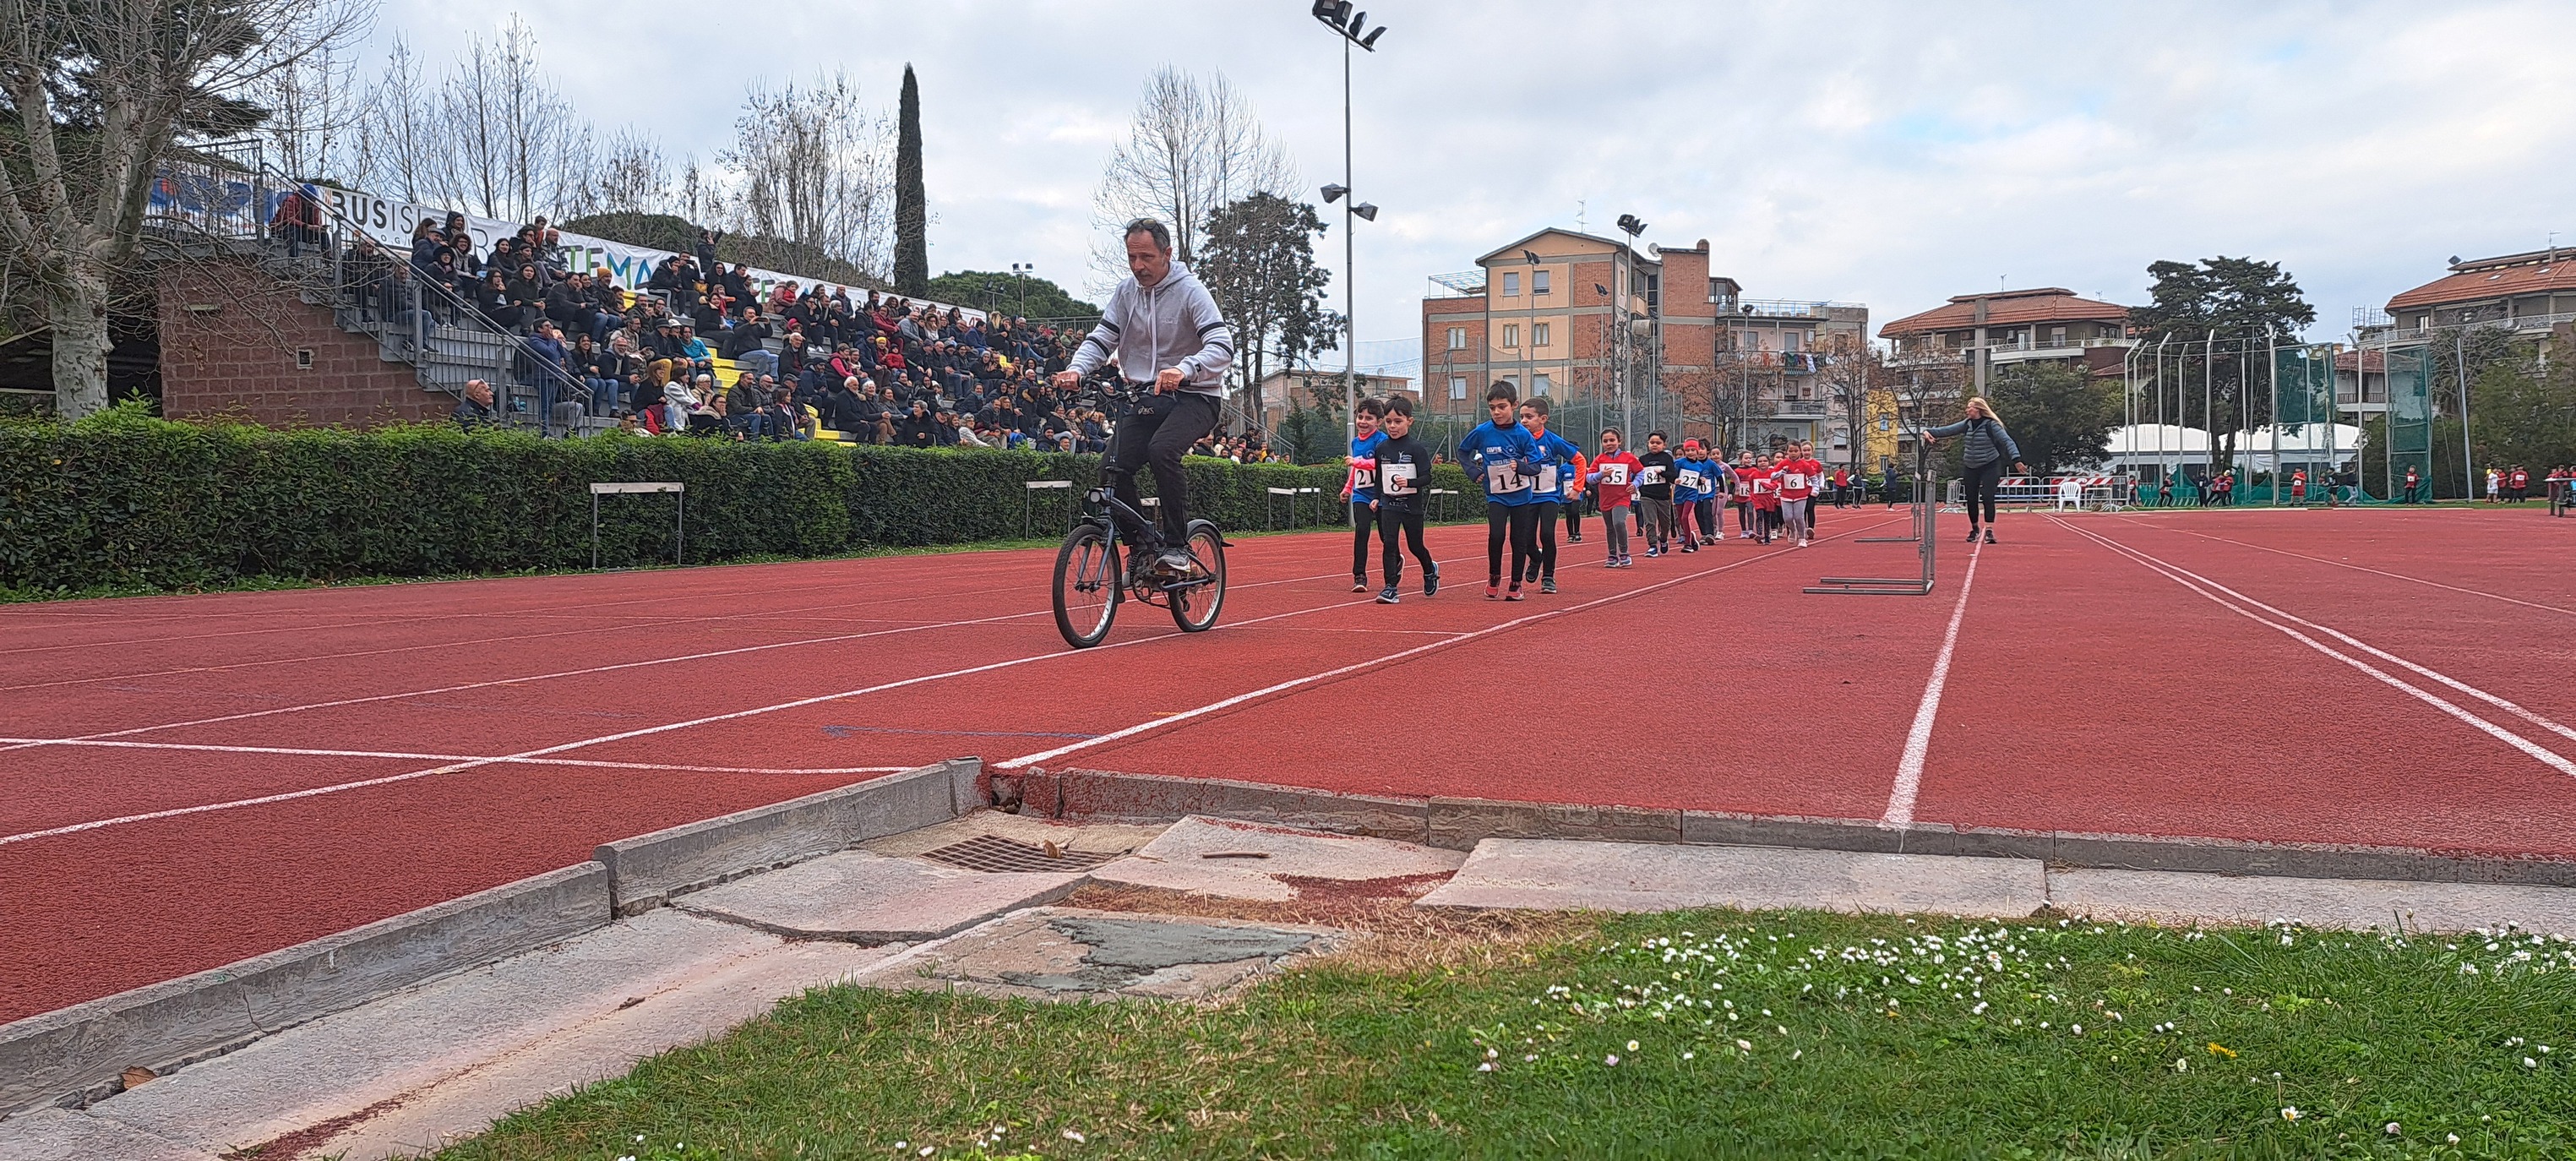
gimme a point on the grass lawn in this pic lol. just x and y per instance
(1699, 1034)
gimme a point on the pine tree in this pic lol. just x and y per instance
(911, 217)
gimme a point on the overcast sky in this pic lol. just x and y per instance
(1891, 154)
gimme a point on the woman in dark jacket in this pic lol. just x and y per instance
(527, 294)
(492, 301)
(1985, 452)
(917, 428)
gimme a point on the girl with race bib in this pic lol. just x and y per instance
(1796, 478)
(1613, 480)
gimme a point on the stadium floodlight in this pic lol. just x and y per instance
(1352, 28)
(1629, 225)
(1530, 256)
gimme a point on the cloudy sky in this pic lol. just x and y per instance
(1891, 154)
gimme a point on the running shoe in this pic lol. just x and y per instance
(1990, 536)
(1627, 561)
(1690, 548)
(1386, 596)
(1972, 534)
(1513, 595)
(1653, 551)
(1431, 580)
(1577, 538)
(1493, 590)
(1359, 584)
(1547, 586)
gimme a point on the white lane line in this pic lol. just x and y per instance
(299, 752)
(2536, 752)
(5, 748)
(1294, 682)
(2381, 572)
(2375, 651)
(1918, 739)
(546, 751)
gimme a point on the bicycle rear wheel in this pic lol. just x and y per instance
(1194, 607)
(1087, 586)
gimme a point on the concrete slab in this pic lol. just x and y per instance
(64, 1135)
(1245, 860)
(647, 870)
(1558, 874)
(1099, 838)
(463, 1104)
(865, 897)
(2185, 897)
(1055, 953)
(352, 1060)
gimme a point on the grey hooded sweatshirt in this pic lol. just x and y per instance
(1173, 323)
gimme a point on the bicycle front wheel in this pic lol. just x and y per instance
(1195, 606)
(1087, 586)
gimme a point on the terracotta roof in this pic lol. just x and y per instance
(2047, 304)
(2486, 278)
(2346, 360)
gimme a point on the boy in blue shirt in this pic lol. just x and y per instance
(1558, 462)
(1361, 488)
(1501, 455)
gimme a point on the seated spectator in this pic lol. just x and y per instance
(627, 423)
(742, 404)
(492, 301)
(527, 295)
(691, 345)
(917, 428)
(597, 371)
(542, 365)
(743, 343)
(476, 412)
(781, 419)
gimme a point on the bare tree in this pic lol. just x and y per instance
(631, 177)
(399, 149)
(103, 92)
(315, 115)
(817, 172)
(516, 143)
(1193, 147)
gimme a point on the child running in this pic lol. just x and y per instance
(1403, 465)
(1501, 453)
(1655, 493)
(1560, 473)
(1612, 479)
(1766, 499)
(1742, 488)
(1796, 479)
(1361, 488)
(1690, 485)
(1721, 482)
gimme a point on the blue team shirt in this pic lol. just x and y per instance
(1364, 489)
(1554, 451)
(1488, 446)
(1707, 473)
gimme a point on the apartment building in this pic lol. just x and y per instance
(1985, 331)
(2530, 293)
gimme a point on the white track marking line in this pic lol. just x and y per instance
(1918, 739)
(545, 751)
(295, 752)
(2535, 751)
(1294, 682)
(2380, 572)
(2375, 651)
(5, 748)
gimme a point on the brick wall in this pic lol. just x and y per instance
(229, 337)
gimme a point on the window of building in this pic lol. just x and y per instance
(1539, 385)
(1538, 281)
(1457, 338)
(1538, 334)
(1511, 284)
(1457, 386)
(2057, 336)
(1511, 336)
(1789, 340)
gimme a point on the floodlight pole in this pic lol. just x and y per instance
(2460, 363)
(2271, 354)
(1350, 265)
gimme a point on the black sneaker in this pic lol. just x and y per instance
(1359, 584)
(1972, 534)
(1547, 586)
(1990, 536)
(1386, 596)
(1431, 581)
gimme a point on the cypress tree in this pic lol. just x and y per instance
(911, 217)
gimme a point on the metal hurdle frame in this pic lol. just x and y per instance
(679, 521)
(1926, 537)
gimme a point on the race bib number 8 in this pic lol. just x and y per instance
(1615, 475)
(1398, 478)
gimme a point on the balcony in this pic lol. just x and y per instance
(2524, 323)
(1790, 308)
(1801, 408)
(1463, 284)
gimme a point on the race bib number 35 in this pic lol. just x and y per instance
(1615, 475)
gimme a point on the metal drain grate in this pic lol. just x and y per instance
(992, 852)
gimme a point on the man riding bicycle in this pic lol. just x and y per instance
(1163, 329)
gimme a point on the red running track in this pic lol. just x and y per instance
(194, 780)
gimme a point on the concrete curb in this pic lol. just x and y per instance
(76, 1054)
(647, 870)
(1459, 823)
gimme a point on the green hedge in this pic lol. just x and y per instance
(123, 501)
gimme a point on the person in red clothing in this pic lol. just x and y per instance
(2299, 486)
(1742, 495)
(1613, 480)
(1766, 498)
(1842, 482)
(2517, 484)
(1795, 479)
